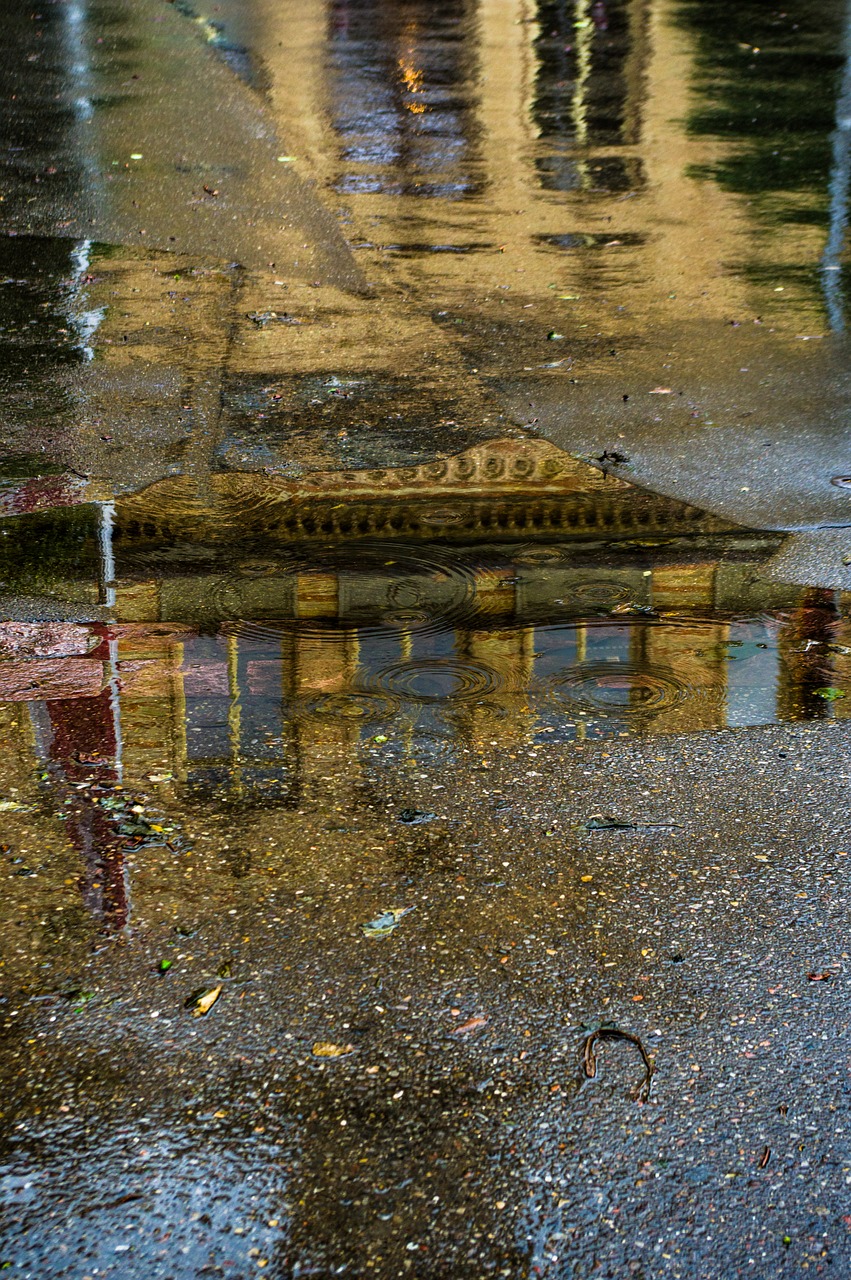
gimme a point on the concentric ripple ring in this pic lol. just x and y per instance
(619, 689)
(601, 592)
(356, 706)
(436, 680)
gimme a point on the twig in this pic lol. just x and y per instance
(589, 1058)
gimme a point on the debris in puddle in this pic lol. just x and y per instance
(14, 806)
(202, 1001)
(164, 966)
(413, 817)
(325, 1049)
(470, 1026)
(600, 823)
(589, 1059)
(629, 607)
(383, 925)
(128, 814)
(608, 824)
(830, 693)
(824, 976)
(262, 318)
(78, 999)
(764, 1158)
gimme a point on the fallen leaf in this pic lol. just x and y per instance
(79, 999)
(382, 926)
(203, 1001)
(602, 823)
(472, 1024)
(324, 1049)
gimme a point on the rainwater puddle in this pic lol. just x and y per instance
(232, 669)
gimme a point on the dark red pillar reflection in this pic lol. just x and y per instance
(807, 661)
(85, 750)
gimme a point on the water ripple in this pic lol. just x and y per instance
(619, 689)
(326, 590)
(364, 707)
(436, 680)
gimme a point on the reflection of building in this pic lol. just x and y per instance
(403, 101)
(588, 89)
(524, 170)
(264, 620)
(272, 644)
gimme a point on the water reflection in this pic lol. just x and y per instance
(587, 94)
(791, 63)
(246, 639)
(573, 285)
(403, 97)
(276, 646)
(326, 611)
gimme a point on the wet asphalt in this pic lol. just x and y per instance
(457, 1134)
(294, 239)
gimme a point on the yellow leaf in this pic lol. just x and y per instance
(205, 1002)
(324, 1049)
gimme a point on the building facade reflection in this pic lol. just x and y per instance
(266, 627)
(261, 657)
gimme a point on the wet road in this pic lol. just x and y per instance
(424, 639)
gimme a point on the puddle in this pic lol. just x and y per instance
(425, 453)
(279, 645)
(232, 630)
(403, 100)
